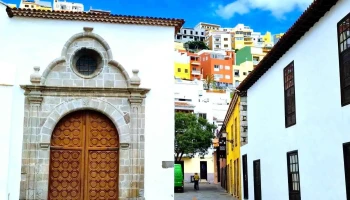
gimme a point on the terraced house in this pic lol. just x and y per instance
(235, 129)
(76, 110)
(298, 109)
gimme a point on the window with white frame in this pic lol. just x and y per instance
(227, 67)
(216, 68)
(227, 77)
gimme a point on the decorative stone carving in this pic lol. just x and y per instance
(35, 77)
(88, 29)
(135, 80)
(113, 94)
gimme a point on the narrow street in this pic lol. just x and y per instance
(206, 192)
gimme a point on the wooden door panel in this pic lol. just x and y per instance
(84, 158)
(69, 132)
(101, 131)
(65, 175)
(103, 175)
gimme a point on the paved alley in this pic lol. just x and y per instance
(206, 192)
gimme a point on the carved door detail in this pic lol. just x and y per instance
(84, 158)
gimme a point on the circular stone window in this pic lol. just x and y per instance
(87, 63)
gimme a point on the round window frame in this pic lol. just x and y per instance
(99, 59)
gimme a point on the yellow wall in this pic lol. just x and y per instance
(245, 67)
(233, 133)
(12, 5)
(35, 6)
(267, 38)
(179, 46)
(238, 44)
(182, 74)
(193, 165)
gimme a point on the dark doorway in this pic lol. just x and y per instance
(346, 151)
(245, 176)
(218, 164)
(257, 180)
(182, 166)
(293, 175)
(203, 172)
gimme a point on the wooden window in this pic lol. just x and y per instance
(346, 152)
(289, 95)
(245, 176)
(293, 175)
(232, 136)
(237, 177)
(236, 132)
(257, 179)
(344, 58)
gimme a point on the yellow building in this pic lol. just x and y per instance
(182, 65)
(38, 5)
(12, 5)
(235, 124)
(240, 72)
(182, 70)
(238, 41)
(179, 46)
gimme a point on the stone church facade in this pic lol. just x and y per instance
(84, 123)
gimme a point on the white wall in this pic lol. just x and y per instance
(322, 124)
(36, 42)
(181, 58)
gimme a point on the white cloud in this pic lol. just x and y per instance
(230, 9)
(277, 7)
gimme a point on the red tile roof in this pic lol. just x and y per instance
(95, 17)
(183, 104)
(306, 21)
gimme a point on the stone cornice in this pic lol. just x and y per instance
(85, 91)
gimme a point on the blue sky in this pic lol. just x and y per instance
(262, 15)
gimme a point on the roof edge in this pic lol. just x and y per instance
(95, 17)
(230, 110)
(316, 10)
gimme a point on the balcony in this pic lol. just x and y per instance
(196, 72)
(195, 63)
(217, 41)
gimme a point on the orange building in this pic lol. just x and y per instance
(195, 66)
(219, 64)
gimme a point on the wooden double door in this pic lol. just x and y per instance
(84, 158)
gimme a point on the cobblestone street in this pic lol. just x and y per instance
(206, 192)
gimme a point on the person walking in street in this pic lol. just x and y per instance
(196, 180)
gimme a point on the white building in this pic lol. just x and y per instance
(298, 111)
(84, 96)
(63, 5)
(220, 40)
(191, 96)
(190, 34)
(207, 26)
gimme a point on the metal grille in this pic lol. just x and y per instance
(86, 65)
(344, 33)
(293, 175)
(289, 95)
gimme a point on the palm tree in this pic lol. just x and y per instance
(209, 81)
